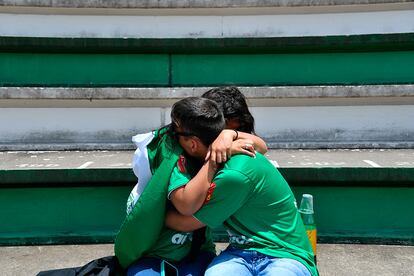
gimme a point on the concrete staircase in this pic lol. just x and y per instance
(78, 79)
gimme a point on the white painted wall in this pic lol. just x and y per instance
(280, 126)
(278, 25)
(76, 125)
(336, 124)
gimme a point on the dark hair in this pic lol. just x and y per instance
(199, 117)
(233, 104)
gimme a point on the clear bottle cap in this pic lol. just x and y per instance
(306, 205)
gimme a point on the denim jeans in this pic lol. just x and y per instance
(248, 262)
(148, 266)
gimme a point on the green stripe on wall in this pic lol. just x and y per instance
(361, 213)
(91, 214)
(353, 43)
(294, 69)
(369, 205)
(67, 178)
(48, 215)
(311, 176)
(136, 70)
(34, 69)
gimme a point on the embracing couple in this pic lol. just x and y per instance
(218, 177)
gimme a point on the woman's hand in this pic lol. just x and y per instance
(224, 147)
(220, 149)
(243, 146)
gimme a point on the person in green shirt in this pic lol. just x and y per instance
(247, 195)
(173, 246)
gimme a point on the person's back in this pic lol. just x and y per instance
(258, 208)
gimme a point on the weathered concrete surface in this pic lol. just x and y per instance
(377, 116)
(65, 159)
(333, 259)
(268, 92)
(165, 97)
(281, 158)
(188, 3)
(216, 23)
(294, 126)
(352, 259)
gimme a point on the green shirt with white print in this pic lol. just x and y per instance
(257, 207)
(173, 245)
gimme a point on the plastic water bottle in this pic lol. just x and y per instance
(306, 211)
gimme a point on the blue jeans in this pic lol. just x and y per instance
(248, 262)
(148, 266)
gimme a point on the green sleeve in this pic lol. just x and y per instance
(177, 180)
(231, 191)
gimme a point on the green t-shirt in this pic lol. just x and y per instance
(255, 203)
(173, 245)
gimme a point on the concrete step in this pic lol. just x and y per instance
(282, 158)
(333, 259)
(59, 197)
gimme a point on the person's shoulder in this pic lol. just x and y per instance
(239, 158)
(238, 165)
(243, 160)
(238, 172)
(246, 165)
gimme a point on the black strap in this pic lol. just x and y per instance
(106, 266)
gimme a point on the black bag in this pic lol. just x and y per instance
(106, 266)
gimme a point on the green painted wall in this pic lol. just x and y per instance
(77, 206)
(100, 62)
(58, 178)
(89, 70)
(46, 69)
(365, 214)
(61, 215)
(294, 69)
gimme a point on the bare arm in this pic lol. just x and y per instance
(190, 197)
(230, 142)
(182, 223)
